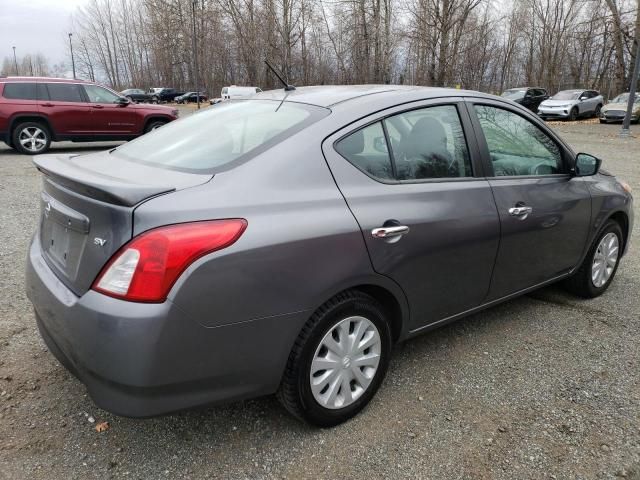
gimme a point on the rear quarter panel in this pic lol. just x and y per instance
(302, 244)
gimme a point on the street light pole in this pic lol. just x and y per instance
(195, 51)
(625, 132)
(73, 62)
(15, 60)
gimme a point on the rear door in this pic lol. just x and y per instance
(414, 184)
(544, 211)
(66, 108)
(109, 117)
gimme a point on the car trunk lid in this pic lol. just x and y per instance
(87, 207)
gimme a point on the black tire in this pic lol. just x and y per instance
(43, 136)
(155, 100)
(596, 113)
(580, 283)
(573, 114)
(153, 124)
(295, 389)
(602, 121)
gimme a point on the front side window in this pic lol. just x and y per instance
(206, 141)
(517, 146)
(20, 91)
(367, 150)
(429, 143)
(64, 92)
(98, 94)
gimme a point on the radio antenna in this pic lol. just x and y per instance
(287, 87)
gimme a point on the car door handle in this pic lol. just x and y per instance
(47, 104)
(97, 106)
(388, 232)
(520, 212)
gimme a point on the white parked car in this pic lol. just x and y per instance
(234, 91)
(572, 104)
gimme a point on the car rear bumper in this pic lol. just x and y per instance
(141, 360)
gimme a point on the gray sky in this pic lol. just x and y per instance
(36, 26)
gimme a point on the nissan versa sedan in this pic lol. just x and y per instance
(572, 104)
(318, 228)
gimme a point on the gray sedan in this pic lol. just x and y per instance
(283, 243)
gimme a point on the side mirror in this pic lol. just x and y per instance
(380, 144)
(586, 165)
(122, 101)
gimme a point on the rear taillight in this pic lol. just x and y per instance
(145, 269)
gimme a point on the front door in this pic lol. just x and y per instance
(429, 221)
(544, 211)
(108, 117)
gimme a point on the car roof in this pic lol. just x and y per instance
(331, 95)
(42, 79)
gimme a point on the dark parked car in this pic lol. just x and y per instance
(191, 97)
(136, 95)
(37, 111)
(159, 95)
(284, 243)
(529, 97)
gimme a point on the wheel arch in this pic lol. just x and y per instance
(385, 291)
(154, 117)
(29, 117)
(622, 219)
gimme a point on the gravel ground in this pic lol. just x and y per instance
(545, 386)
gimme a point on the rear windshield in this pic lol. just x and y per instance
(514, 94)
(206, 141)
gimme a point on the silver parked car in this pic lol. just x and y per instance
(572, 104)
(285, 242)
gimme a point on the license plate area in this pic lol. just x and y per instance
(63, 233)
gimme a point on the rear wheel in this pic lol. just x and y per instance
(31, 138)
(573, 114)
(600, 265)
(338, 361)
(153, 124)
(596, 113)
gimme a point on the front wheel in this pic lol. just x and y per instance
(600, 265)
(573, 115)
(31, 138)
(338, 361)
(153, 125)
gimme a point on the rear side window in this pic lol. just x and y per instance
(367, 150)
(431, 144)
(64, 92)
(206, 141)
(20, 91)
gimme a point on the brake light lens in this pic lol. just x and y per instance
(145, 269)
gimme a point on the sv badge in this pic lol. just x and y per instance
(101, 242)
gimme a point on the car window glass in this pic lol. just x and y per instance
(215, 137)
(20, 91)
(367, 150)
(429, 143)
(98, 94)
(64, 92)
(517, 146)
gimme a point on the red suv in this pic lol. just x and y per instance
(36, 111)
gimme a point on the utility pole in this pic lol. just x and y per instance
(15, 61)
(625, 132)
(73, 62)
(195, 51)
